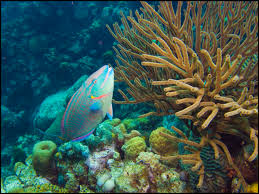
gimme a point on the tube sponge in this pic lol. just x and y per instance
(42, 156)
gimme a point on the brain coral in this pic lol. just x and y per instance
(162, 145)
(42, 156)
(133, 147)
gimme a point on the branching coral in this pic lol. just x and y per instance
(209, 79)
(200, 62)
(195, 158)
(202, 94)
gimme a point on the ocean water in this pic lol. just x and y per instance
(50, 48)
(47, 47)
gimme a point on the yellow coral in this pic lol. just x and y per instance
(133, 133)
(85, 189)
(113, 135)
(122, 128)
(253, 188)
(115, 122)
(18, 165)
(162, 145)
(58, 155)
(45, 188)
(28, 160)
(133, 147)
(2, 186)
(17, 190)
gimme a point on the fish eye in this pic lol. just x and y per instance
(94, 81)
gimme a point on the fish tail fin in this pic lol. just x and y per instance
(51, 135)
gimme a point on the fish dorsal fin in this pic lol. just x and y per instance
(110, 112)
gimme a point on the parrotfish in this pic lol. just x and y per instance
(89, 105)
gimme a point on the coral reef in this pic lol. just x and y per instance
(25, 180)
(73, 151)
(253, 188)
(98, 160)
(162, 145)
(200, 65)
(104, 131)
(43, 157)
(18, 152)
(191, 72)
(105, 182)
(133, 147)
(148, 175)
(105, 168)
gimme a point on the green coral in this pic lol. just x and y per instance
(136, 124)
(133, 147)
(162, 145)
(114, 122)
(45, 188)
(42, 156)
(129, 124)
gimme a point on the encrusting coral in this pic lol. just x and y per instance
(133, 147)
(160, 144)
(201, 65)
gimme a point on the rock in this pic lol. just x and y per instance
(102, 179)
(12, 183)
(49, 109)
(109, 185)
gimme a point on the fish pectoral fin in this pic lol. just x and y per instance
(110, 112)
(96, 106)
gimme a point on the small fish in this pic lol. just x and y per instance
(89, 105)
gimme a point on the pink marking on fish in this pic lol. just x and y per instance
(84, 136)
(99, 97)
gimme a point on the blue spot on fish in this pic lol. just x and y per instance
(95, 106)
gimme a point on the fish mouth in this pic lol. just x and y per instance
(110, 70)
(109, 74)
